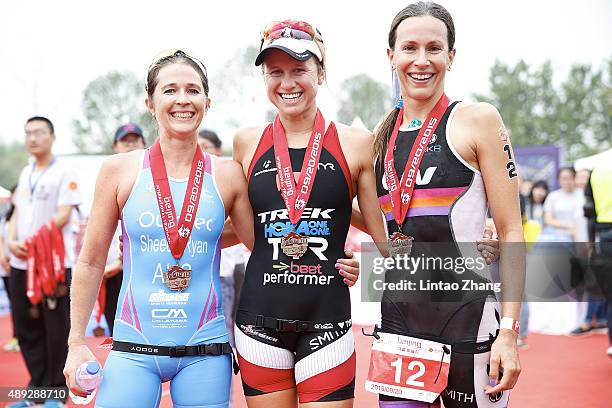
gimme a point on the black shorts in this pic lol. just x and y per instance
(450, 322)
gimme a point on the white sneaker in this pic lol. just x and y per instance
(609, 351)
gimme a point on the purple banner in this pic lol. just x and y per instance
(538, 163)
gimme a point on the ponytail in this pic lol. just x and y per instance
(382, 134)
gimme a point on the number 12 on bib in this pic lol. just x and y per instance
(408, 367)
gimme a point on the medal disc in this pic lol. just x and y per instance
(177, 278)
(51, 302)
(294, 245)
(98, 331)
(400, 244)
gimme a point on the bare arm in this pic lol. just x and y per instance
(113, 268)
(232, 183)
(3, 256)
(357, 219)
(17, 248)
(62, 215)
(91, 263)
(496, 161)
(366, 195)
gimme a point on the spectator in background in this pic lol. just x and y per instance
(532, 226)
(563, 209)
(210, 142)
(595, 318)
(127, 138)
(598, 206)
(232, 258)
(535, 202)
(12, 345)
(582, 178)
(47, 191)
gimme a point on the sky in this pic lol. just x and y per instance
(49, 51)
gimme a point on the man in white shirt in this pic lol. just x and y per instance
(47, 191)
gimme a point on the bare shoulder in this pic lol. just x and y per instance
(227, 167)
(248, 136)
(480, 114)
(121, 163)
(353, 136)
(245, 142)
(228, 173)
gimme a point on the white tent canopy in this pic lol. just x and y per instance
(597, 160)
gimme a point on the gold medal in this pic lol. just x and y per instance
(294, 245)
(177, 278)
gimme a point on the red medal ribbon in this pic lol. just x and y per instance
(33, 290)
(296, 196)
(177, 231)
(43, 262)
(58, 253)
(401, 194)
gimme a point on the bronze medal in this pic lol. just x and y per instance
(400, 244)
(294, 245)
(177, 278)
(98, 331)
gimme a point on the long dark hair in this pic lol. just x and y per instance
(538, 184)
(383, 133)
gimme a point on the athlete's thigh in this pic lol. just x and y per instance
(468, 373)
(203, 382)
(266, 360)
(325, 367)
(129, 380)
(278, 399)
(466, 381)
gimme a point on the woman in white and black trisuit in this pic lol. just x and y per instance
(465, 166)
(293, 325)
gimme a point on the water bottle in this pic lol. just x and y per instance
(88, 376)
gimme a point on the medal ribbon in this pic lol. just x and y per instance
(58, 253)
(33, 290)
(177, 231)
(401, 194)
(296, 196)
(44, 262)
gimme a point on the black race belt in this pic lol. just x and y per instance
(461, 347)
(211, 349)
(285, 325)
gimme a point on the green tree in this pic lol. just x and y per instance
(13, 156)
(575, 114)
(363, 97)
(108, 102)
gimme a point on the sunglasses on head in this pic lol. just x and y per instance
(299, 30)
(176, 52)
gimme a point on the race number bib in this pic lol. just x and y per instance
(407, 367)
